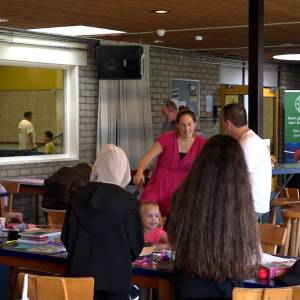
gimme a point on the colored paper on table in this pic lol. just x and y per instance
(147, 251)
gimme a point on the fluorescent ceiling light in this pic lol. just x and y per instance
(287, 56)
(76, 30)
(161, 11)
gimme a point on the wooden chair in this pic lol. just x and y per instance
(272, 236)
(12, 187)
(287, 197)
(292, 193)
(58, 288)
(289, 293)
(291, 217)
(55, 218)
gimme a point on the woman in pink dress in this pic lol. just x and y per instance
(175, 152)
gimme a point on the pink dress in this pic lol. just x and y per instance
(170, 170)
(154, 235)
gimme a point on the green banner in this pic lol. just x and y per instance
(291, 125)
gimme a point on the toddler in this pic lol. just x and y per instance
(49, 145)
(151, 217)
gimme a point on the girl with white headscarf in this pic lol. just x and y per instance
(111, 166)
(102, 231)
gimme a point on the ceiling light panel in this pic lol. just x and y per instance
(77, 30)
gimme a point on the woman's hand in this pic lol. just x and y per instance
(139, 178)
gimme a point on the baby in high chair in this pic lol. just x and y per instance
(151, 219)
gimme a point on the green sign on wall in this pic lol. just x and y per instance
(291, 124)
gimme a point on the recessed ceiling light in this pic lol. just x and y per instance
(76, 30)
(158, 41)
(3, 20)
(161, 11)
(198, 37)
(287, 57)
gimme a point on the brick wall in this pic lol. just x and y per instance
(168, 64)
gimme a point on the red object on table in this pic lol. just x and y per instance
(263, 273)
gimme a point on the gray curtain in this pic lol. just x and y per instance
(124, 114)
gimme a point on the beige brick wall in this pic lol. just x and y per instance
(13, 104)
(168, 64)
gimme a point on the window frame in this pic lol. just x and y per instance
(71, 117)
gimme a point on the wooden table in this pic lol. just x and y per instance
(32, 186)
(285, 169)
(160, 277)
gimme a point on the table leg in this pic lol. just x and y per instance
(12, 283)
(164, 289)
(272, 215)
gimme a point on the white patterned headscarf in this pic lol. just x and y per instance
(111, 166)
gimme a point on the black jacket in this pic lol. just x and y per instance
(188, 287)
(103, 234)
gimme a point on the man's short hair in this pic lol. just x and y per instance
(236, 114)
(170, 105)
(27, 114)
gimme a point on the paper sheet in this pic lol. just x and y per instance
(267, 258)
(147, 251)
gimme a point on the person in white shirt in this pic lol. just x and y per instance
(26, 132)
(256, 153)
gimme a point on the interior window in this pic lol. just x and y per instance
(39, 91)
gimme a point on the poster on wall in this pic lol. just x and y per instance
(292, 126)
(186, 92)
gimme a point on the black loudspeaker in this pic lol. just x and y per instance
(119, 62)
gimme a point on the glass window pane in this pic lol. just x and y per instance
(41, 91)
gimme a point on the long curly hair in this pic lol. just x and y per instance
(212, 224)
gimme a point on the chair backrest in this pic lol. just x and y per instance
(12, 187)
(272, 236)
(282, 194)
(55, 219)
(264, 294)
(58, 288)
(292, 193)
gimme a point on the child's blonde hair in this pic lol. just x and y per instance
(145, 205)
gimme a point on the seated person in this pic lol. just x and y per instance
(49, 147)
(151, 219)
(212, 224)
(102, 231)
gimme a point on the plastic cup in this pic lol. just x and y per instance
(2, 222)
